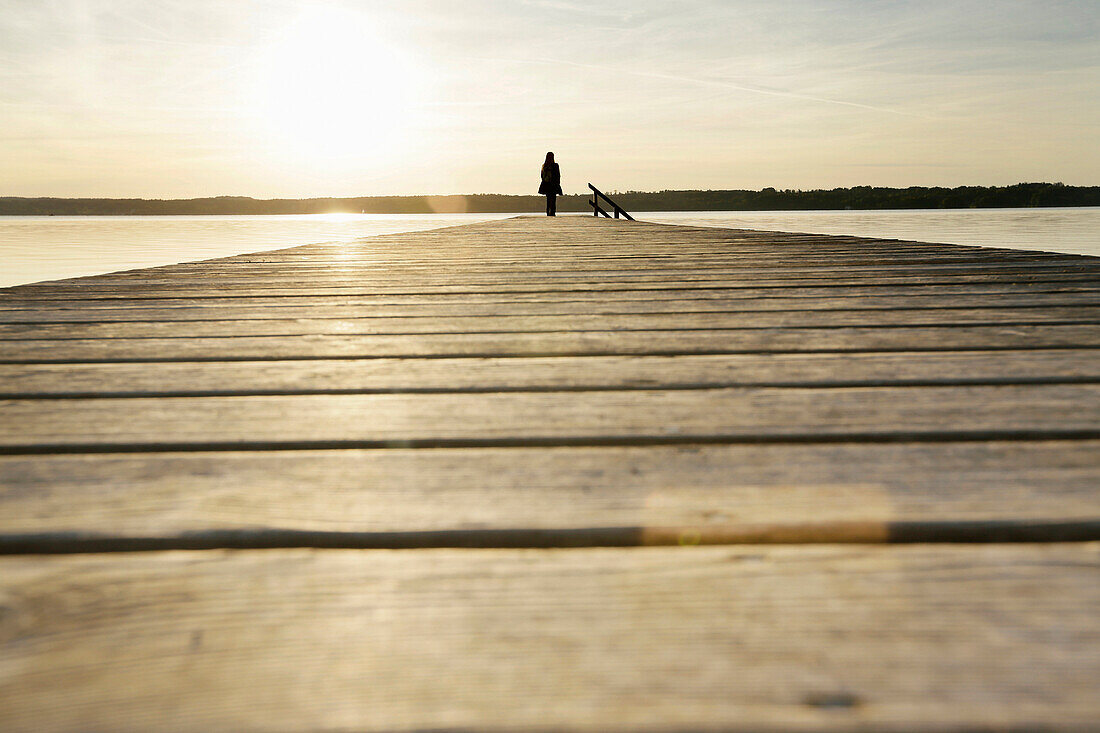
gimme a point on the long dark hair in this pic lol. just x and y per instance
(548, 162)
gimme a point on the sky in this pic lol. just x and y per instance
(304, 98)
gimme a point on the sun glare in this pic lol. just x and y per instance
(332, 90)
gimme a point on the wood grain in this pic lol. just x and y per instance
(548, 373)
(228, 309)
(478, 275)
(505, 285)
(551, 323)
(714, 341)
(13, 309)
(729, 414)
(709, 488)
(733, 638)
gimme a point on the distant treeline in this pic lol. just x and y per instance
(769, 199)
(865, 197)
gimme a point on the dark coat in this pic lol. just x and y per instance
(551, 180)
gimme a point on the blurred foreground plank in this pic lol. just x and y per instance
(762, 491)
(734, 637)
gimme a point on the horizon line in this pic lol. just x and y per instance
(537, 195)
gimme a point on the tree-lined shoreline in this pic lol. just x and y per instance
(768, 199)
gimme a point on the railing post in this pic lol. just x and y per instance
(597, 194)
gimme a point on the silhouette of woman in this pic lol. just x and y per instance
(551, 184)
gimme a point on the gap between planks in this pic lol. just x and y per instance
(815, 533)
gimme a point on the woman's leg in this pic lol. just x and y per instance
(551, 205)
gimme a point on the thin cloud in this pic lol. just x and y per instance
(714, 83)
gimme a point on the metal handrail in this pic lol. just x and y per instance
(594, 202)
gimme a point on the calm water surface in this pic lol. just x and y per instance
(35, 248)
(1072, 230)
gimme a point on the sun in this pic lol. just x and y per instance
(331, 89)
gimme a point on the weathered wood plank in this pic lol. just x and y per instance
(607, 257)
(597, 248)
(345, 266)
(736, 414)
(231, 309)
(918, 637)
(561, 373)
(549, 323)
(71, 298)
(585, 279)
(505, 285)
(604, 254)
(11, 307)
(738, 265)
(855, 339)
(436, 274)
(752, 489)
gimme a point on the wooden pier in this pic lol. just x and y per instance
(555, 474)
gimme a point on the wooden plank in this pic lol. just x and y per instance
(731, 638)
(605, 258)
(542, 373)
(322, 308)
(341, 267)
(855, 339)
(731, 414)
(603, 252)
(344, 266)
(713, 490)
(505, 285)
(481, 274)
(550, 323)
(71, 297)
(579, 281)
(640, 247)
(11, 309)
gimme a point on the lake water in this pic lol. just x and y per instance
(35, 248)
(1072, 230)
